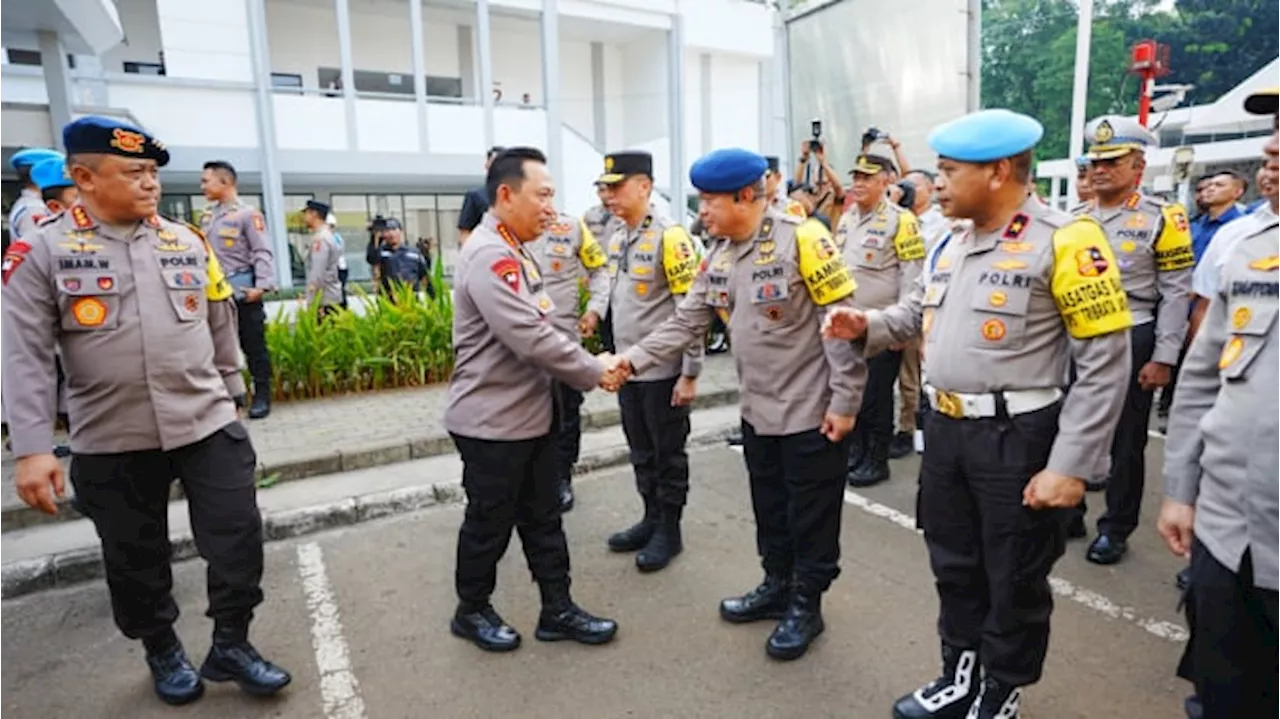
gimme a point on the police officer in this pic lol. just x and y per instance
(29, 208)
(1151, 240)
(322, 260)
(57, 190)
(882, 245)
(768, 274)
(1025, 288)
(599, 219)
(1220, 471)
(568, 254)
(501, 411)
(238, 234)
(652, 261)
(149, 405)
(397, 262)
(1084, 186)
(778, 200)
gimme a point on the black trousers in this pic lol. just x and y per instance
(127, 497)
(797, 493)
(1234, 648)
(1128, 449)
(874, 428)
(252, 320)
(568, 431)
(656, 434)
(990, 555)
(509, 485)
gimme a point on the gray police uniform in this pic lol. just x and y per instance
(569, 255)
(1221, 456)
(883, 248)
(1028, 298)
(501, 410)
(651, 266)
(26, 213)
(148, 336)
(770, 291)
(322, 270)
(601, 222)
(1151, 241)
(238, 235)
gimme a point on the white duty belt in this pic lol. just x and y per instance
(959, 405)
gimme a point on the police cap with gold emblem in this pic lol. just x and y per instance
(986, 136)
(872, 165)
(618, 166)
(1112, 136)
(318, 207)
(1262, 102)
(727, 170)
(99, 135)
(51, 173)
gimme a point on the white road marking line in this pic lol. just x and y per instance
(338, 687)
(1061, 587)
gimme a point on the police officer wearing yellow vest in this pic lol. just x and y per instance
(142, 313)
(768, 275)
(1151, 240)
(570, 256)
(882, 246)
(1220, 470)
(652, 262)
(1009, 301)
(502, 409)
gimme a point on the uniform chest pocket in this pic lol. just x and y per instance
(88, 302)
(875, 253)
(186, 288)
(1251, 330)
(230, 233)
(999, 317)
(772, 298)
(933, 294)
(642, 264)
(558, 256)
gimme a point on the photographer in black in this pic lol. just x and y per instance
(816, 180)
(392, 260)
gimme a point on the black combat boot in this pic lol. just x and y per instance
(561, 619)
(874, 467)
(483, 627)
(767, 601)
(261, 406)
(232, 658)
(636, 536)
(665, 543)
(857, 448)
(799, 626)
(176, 680)
(902, 445)
(996, 700)
(950, 695)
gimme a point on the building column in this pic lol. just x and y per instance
(348, 72)
(419, 71)
(707, 89)
(57, 82)
(599, 136)
(467, 63)
(264, 105)
(780, 110)
(484, 56)
(675, 115)
(551, 91)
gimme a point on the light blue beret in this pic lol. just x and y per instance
(986, 136)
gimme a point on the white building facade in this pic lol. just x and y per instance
(387, 106)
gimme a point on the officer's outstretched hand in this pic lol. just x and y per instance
(1048, 489)
(617, 370)
(1176, 526)
(39, 480)
(844, 323)
(836, 427)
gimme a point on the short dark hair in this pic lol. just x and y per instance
(923, 173)
(1203, 178)
(224, 167)
(493, 152)
(508, 169)
(1244, 184)
(55, 193)
(24, 175)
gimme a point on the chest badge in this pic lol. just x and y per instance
(1010, 265)
(1266, 264)
(89, 311)
(1231, 352)
(1128, 246)
(993, 330)
(1241, 317)
(106, 283)
(998, 299)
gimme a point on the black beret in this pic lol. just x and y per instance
(94, 134)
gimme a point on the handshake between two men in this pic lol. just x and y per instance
(617, 370)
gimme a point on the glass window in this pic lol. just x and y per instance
(420, 225)
(448, 209)
(298, 235)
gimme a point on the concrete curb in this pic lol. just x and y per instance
(81, 565)
(332, 461)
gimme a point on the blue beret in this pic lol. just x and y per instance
(104, 135)
(31, 156)
(1082, 161)
(51, 173)
(727, 170)
(986, 136)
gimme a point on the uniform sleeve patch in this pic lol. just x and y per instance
(908, 243)
(1086, 282)
(679, 260)
(259, 224)
(825, 274)
(1173, 246)
(13, 258)
(508, 270)
(591, 254)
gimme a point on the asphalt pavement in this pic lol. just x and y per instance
(360, 616)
